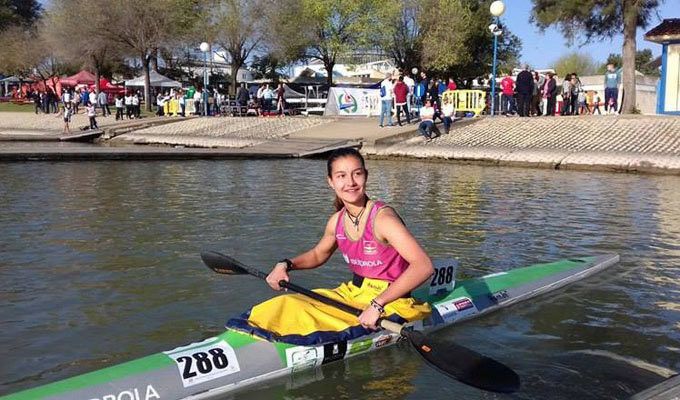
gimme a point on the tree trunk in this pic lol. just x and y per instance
(97, 77)
(329, 70)
(146, 60)
(236, 64)
(630, 16)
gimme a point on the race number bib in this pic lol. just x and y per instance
(444, 277)
(204, 361)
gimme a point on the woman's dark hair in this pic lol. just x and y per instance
(340, 153)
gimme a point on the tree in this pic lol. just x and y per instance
(598, 20)
(74, 40)
(143, 29)
(325, 30)
(403, 33)
(579, 63)
(19, 12)
(236, 26)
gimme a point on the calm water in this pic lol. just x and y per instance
(99, 264)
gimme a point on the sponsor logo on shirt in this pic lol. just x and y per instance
(370, 247)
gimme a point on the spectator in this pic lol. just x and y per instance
(401, 100)
(576, 89)
(566, 95)
(451, 85)
(427, 127)
(539, 81)
(68, 111)
(386, 92)
(596, 104)
(448, 112)
(612, 79)
(242, 95)
(120, 106)
(267, 97)
(508, 95)
(103, 100)
(92, 115)
(550, 94)
(410, 83)
(135, 105)
(129, 110)
(281, 101)
(525, 90)
(198, 96)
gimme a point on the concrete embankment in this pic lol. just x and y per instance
(635, 143)
(610, 143)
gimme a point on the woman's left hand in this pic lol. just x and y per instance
(369, 317)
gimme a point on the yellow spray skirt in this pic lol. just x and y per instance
(295, 318)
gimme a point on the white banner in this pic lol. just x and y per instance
(353, 101)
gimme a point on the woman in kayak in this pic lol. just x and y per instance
(387, 261)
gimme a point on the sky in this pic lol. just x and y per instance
(540, 50)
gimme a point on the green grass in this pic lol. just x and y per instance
(28, 107)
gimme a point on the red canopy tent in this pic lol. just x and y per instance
(109, 88)
(81, 78)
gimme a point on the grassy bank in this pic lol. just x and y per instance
(28, 107)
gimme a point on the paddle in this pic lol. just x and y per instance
(454, 360)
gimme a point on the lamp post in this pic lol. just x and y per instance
(205, 48)
(497, 9)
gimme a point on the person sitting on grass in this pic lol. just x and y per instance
(427, 127)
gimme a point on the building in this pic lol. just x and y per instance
(667, 34)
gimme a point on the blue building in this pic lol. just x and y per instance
(667, 34)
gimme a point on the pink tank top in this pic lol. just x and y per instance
(367, 256)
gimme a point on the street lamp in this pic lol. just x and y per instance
(205, 48)
(497, 9)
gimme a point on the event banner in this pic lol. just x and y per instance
(353, 102)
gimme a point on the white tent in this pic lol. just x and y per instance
(157, 80)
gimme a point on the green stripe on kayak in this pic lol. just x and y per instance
(502, 281)
(138, 366)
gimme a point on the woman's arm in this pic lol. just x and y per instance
(389, 228)
(313, 258)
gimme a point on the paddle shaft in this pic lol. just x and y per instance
(389, 325)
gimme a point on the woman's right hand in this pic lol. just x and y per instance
(278, 274)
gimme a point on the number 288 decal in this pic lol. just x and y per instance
(201, 362)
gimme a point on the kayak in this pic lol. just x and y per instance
(235, 359)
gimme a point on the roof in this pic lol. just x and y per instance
(81, 78)
(667, 31)
(156, 80)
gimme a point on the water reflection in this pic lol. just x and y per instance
(99, 264)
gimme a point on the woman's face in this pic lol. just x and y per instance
(348, 179)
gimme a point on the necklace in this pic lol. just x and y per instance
(355, 220)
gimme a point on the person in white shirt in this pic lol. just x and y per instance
(448, 112)
(135, 105)
(120, 106)
(427, 127)
(411, 85)
(386, 89)
(128, 105)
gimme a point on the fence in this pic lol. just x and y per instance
(466, 100)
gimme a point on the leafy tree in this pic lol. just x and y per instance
(597, 20)
(236, 26)
(73, 40)
(415, 36)
(143, 29)
(325, 30)
(580, 63)
(19, 12)
(266, 67)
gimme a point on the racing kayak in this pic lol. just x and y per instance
(235, 359)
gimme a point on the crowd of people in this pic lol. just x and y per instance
(421, 100)
(532, 94)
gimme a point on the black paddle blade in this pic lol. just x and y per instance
(465, 365)
(222, 264)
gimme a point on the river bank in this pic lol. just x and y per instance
(636, 143)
